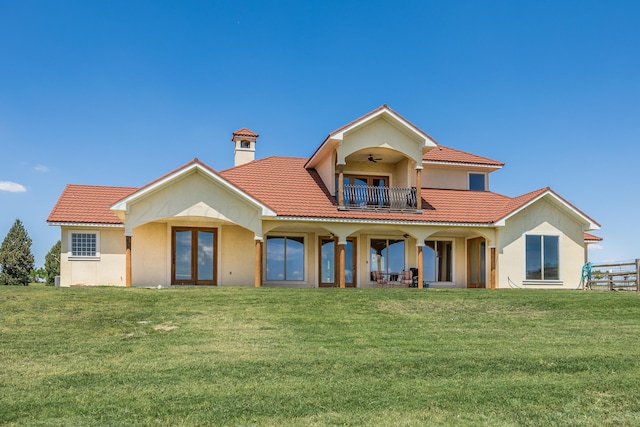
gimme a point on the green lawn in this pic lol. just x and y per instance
(278, 357)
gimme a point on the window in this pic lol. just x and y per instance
(477, 181)
(387, 256)
(437, 261)
(542, 257)
(245, 144)
(285, 258)
(84, 244)
(194, 256)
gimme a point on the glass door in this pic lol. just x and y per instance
(476, 263)
(329, 262)
(193, 260)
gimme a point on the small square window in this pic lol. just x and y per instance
(84, 244)
(245, 144)
(477, 182)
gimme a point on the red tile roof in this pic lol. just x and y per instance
(88, 204)
(588, 237)
(291, 190)
(442, 154)
(245, 132)
(284, 185)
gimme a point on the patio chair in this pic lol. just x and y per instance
(407, 277)
(379, 278)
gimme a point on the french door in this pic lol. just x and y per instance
(477, 263)
(193, 256)
(329, 274)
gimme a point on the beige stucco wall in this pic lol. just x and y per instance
(327, 172)
(540, 218)
(236, 256)
(150, 247)
(452, 177)
(108, 270)
(383, 134)
(439, 177)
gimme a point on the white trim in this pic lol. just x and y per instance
(386, 111)
(195, 167)
(71, 256)
(590, 224)
(84, 224)
(383, 221)
(475, 165)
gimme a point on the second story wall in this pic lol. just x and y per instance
(451, 178)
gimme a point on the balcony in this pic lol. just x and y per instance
(379, 198)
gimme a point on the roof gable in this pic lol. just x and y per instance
(193, 166)
(518, 204)
(384, 111)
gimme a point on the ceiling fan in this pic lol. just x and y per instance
(372, 159)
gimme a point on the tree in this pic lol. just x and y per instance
(52, 263)
(16, 259)
(37, 275)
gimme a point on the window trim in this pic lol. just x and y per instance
(305, 244)
(485, 181)
(73, 257)
(543, 281)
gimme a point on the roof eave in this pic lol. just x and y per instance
(85, 224)
(493, 167)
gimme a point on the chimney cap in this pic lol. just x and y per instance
(245, 132)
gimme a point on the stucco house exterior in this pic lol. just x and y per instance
(379, 203)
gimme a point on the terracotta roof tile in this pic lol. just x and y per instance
(291, 190)
(283, 184)
(245, 132)
(445, 154)
(88, 204)
(588, 237)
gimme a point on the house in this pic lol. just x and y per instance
(379, 203)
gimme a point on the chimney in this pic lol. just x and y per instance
(245, 146)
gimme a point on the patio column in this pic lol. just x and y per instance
(418, 188)
(127, 263)
(258, 263)
(492, 267)
(340, 185)
(341, 246)
(420, 268)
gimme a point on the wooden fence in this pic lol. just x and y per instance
(615, 276)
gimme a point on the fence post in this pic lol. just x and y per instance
(637, 273)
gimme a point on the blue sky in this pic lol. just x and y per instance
(121, 92)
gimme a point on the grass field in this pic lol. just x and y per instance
(279, 357)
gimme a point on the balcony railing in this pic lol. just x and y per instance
(370, 197)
